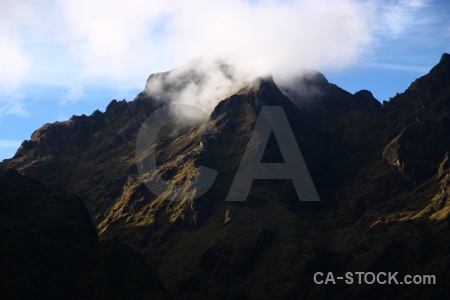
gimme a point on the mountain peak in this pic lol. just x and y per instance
(442, 69)
(366, 101)
(426, 86)
(262, 91)
(445, 58)
(257, 85)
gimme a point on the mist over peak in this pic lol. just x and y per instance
(204, 82)
(201, 83)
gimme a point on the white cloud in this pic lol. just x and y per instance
(201, 83)
(399, 16)
(14, 64)
(272, 36)
(119, 39)
(119, 42)
(113, 38)
(74, 93)
(399, 67)
(124, 43)
(12, 104)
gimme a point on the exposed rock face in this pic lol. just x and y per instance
(381, 171)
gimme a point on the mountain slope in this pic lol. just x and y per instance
(412, 138)
(50, 249)
(381, 171)
(331, 118)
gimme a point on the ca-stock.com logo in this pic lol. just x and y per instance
(271, 119)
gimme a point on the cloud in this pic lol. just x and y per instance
(74, 93)
(400, 67)
(12, 104)
(119, 42)
(14, 65)
(398, 16)
(119, 39)
(273, 37)
(263, 36)
(201, 83)
(257, 39)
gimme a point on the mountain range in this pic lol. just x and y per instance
(78, 221)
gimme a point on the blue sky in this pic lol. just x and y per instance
(60, 58)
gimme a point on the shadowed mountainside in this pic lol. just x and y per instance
(50, 249)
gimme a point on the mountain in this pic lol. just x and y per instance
(50, 249)
(381, 171)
